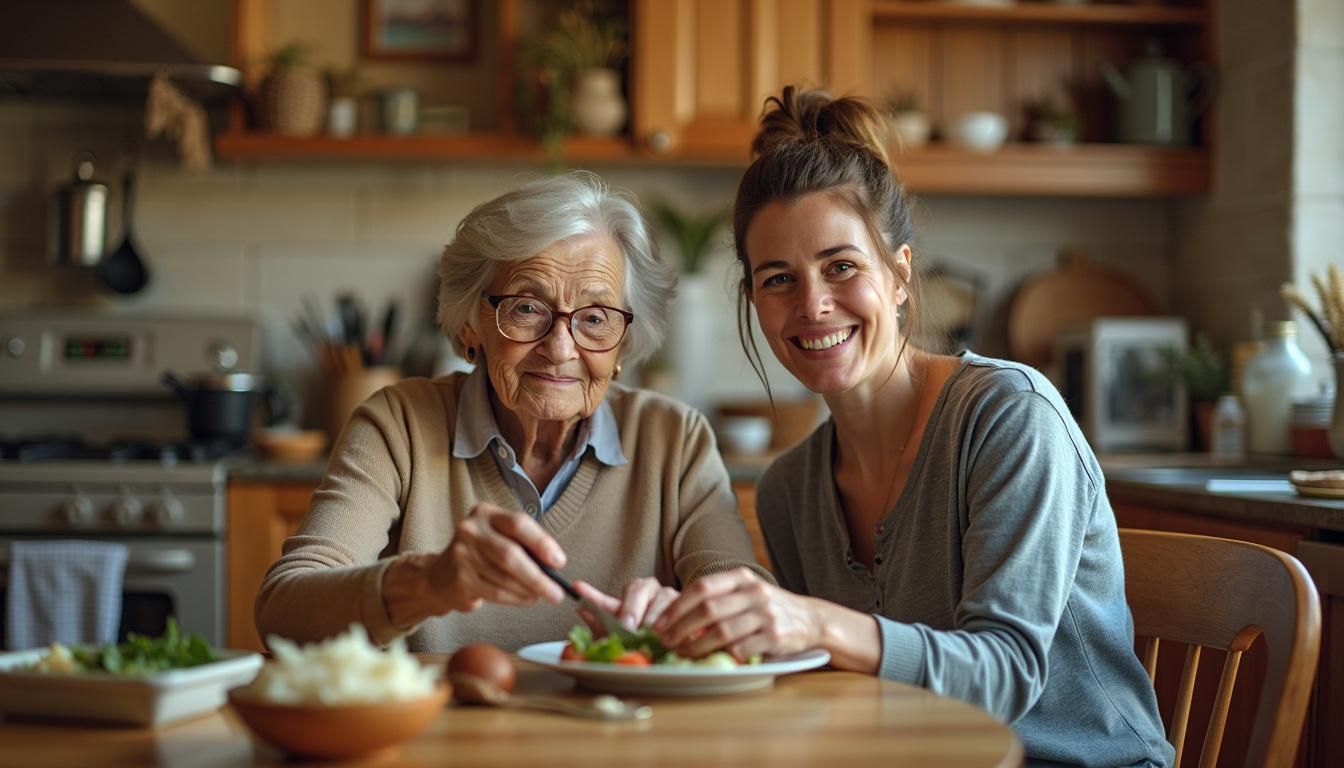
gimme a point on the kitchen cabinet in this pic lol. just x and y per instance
(1321, 737)
(263, 513)
(700, 71)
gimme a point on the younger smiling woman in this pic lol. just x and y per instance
(948, 525)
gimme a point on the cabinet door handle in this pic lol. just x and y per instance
(660, 141)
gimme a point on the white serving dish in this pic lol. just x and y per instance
(667, 680)
(151, 700)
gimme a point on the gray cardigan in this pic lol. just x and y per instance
(997, 577)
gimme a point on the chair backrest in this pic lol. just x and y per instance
(1221, 593)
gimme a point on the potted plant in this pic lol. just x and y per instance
(1205, 376)
(907, 123)
(574, 66)
(1053, 120)
(292, 97)
(692, 234)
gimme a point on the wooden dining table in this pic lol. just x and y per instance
(810, 718)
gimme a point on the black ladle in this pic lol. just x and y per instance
(123, 270)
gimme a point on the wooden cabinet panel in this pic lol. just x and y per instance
(261, 517)
(703, 68)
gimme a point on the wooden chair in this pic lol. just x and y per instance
(1223, 594)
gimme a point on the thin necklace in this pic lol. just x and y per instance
(900, 453)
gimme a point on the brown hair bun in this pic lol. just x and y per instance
(803, 117)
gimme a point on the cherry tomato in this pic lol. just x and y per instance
(571, 653)
(485, 661)
(633, 659)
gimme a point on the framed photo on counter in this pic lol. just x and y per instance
(419, 30)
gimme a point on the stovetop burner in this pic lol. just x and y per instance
(51, 448)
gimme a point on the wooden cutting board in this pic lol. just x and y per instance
(1069, 296)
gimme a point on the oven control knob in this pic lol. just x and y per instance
(127, 511)
(77, 510)
(16, 346)
(166, 511)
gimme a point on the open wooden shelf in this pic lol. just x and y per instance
(1041, 13)
(1085, 170)
(1090, 170)
(240, 145)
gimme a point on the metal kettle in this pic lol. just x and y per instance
(1157, 98)
(79, 220)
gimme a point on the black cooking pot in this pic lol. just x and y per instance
(219, 405)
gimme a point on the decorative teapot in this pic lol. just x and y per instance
(1157, 98)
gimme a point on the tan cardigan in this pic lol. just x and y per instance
(393, 486)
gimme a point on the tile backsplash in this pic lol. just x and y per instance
(256, 239)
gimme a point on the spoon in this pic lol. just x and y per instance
(471, 689)
(124, 270)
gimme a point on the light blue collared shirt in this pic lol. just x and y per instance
(477, 432)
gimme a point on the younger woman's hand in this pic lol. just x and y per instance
(640, 604)
(738, 612)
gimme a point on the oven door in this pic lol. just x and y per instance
(181, 577)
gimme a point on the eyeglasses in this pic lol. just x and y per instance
(526, 319)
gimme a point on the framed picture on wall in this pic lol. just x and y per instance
(410, 30)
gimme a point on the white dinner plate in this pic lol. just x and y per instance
(154, 699)
(670, 680)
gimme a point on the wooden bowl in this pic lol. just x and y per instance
(337, 732)
(297, 447)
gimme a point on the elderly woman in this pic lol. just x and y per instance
(437, 490)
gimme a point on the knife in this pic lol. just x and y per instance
(612, 624)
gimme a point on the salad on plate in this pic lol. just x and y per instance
(645, 650)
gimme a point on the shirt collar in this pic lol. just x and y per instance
(476, 427)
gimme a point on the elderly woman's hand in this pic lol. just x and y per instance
(640, 604)
(738, 612)
(484, 562)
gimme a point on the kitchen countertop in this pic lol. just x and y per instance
(1180, 481)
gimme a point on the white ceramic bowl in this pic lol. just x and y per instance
(980, 131)
(745, 434)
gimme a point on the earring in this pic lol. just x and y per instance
(471, 355)
(618, 371)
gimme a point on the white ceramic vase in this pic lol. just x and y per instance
(597, 107)
(694, 324)
(909, 130)
(1336, 433)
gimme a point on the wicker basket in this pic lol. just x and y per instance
(293, 101)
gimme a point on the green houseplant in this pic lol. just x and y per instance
(1205, 375)
(693, 234)
(570, 76)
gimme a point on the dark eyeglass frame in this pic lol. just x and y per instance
(496, 299)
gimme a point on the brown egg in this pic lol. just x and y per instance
(485, 661)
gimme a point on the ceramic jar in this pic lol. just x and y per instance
(1271, 381)
(597, 107)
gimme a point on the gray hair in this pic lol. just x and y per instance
(525, 221)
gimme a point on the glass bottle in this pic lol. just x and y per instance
(1273, 378)
(1227, 438)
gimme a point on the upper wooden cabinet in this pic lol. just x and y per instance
(702, 69)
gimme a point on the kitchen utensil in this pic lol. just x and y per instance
(124, 270)
(219, 405)
(610, 623)
(1072, 295)
(80, 220)
(388, 330)
(478, 690)
(1157, 98)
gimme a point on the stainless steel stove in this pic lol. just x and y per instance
(92, 446)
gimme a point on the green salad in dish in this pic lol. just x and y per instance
(140, 655)
(646, 649)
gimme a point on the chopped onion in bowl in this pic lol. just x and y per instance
(346, 669)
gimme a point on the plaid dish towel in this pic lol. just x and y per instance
(63, 591)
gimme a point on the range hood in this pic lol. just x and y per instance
(103, 49)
